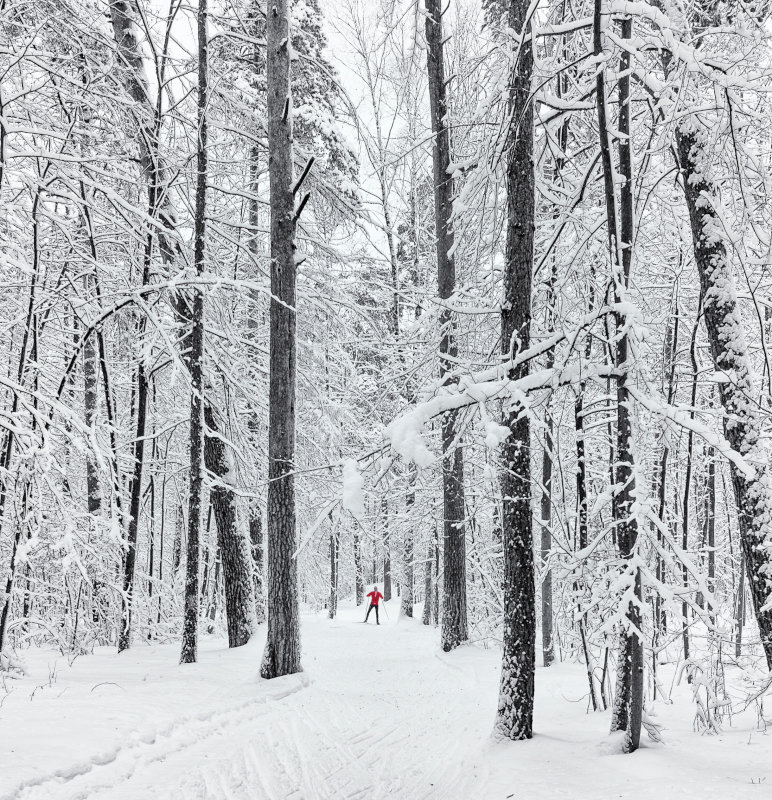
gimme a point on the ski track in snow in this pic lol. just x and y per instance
(312, 738)
(86, 779)
(378, 713)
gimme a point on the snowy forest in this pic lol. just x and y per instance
(458, 312)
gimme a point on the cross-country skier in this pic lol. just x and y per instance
(374, 596)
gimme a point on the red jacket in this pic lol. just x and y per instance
(374, 596)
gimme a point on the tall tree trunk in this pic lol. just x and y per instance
(234, 547)
(258, 562)
(710, 518)
(253, 325)
(628, 702)
(332, 609)
(514, 718)
(436, 580)
(196, 359)
(548, 647)
(428, 569)
(740, 608)
(742, 424)
(282, 648)
(90, 389)
(358, 574)
(386, 551)
(408, 568)
(687, 493)
(454, 615)
(671, 348)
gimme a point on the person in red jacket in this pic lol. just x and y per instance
(374, 596)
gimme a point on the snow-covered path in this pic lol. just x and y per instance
(379, 712)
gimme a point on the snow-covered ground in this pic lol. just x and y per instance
(379, 712)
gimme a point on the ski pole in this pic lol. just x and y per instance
(384, 608)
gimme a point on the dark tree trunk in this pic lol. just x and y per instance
(428, 570)
(177, 547)
(135, 498)
(742, 425)
(436, 581)
(408, 568)
(386, 551)
(660, 618)
(514, 718)
(454, 616)
(196, 360)
(740, 608)
(234, 548)
(258, 562)
(282, 648)
(548, 646)
(332, 608)
(686, 498)
(90, 389)
(710, 518)
(359, 578)
(628, 702)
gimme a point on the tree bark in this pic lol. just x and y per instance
(454, 613)
(710, 518)
(548, 647)
(386, 551)
(332, 609)
(196, 358)
(358, 576)
(514, 718)
(686, 498)
(282, 648)
(408, 568)
(234, 547)
(258, 562)
(90, 390)
(742, 423)
(428, 569)
(628, 702)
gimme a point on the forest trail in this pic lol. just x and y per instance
(379, 712)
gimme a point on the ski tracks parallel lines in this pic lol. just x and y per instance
(145, 747)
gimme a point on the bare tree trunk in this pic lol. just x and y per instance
(258, 562)
(548, 647)
(710, 518)
(428, 570)
(740, 608)
(90, 389)
(358, 578)
(255, 519)
(514, 718)
(628, 702)
(436, 580)
(687, 492)
(234, 547)
(660, 619)
(454, 615)
(332, 609)
(196, 359)
(386, 551)
(282, 648)
(408, 571)
(742, 425)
